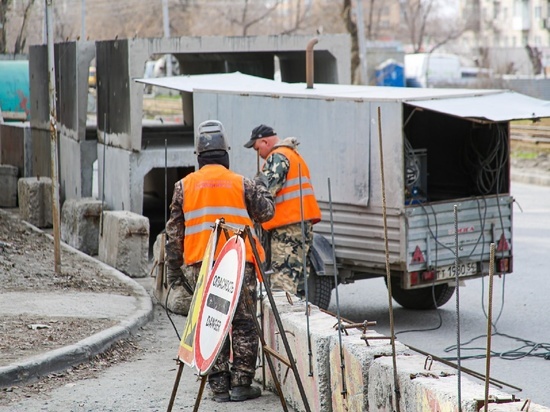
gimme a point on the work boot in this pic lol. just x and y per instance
(219, 386)
(243, 393)
(221, 396)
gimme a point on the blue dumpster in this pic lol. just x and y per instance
(390, 73)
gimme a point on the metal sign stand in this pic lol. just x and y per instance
(269, 352)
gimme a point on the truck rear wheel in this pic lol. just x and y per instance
(319, 288)
(422, 298)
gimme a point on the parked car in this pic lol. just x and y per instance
(92, 77)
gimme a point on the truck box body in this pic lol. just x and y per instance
(446, 162)
(431, 69)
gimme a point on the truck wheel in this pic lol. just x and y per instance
(421, 299)
(319, 288)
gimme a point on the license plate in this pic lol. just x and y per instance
(464, 269)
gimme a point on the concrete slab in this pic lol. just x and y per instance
(35, 200)
(80, 224)
(8, 183)
(124, 242)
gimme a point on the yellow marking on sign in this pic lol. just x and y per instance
(186, 353)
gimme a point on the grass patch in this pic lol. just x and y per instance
(520, 154)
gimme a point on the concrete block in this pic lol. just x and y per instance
(125, 242)
(357, 359)
(8, 183)
(80, 219)
(314, 371)
(35, 200)
(424, 385)
(423, 389)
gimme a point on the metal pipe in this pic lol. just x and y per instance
(489, 325)
(457, 295)
(304, 269)
(279, 323)
(344, 390)
(53, 139)
(175, 388)
(387, 259)
(309, 62)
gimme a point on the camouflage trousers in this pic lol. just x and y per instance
(287, 252)
(243, 340)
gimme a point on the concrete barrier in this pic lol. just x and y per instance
(124, 243)
(423, 385)
(8, 183)
(80, 224)
(35, 200)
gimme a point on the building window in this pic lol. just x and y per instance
(496, 9)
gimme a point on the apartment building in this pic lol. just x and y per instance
(507, 23)
(508, 36)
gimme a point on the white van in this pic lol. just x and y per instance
(428, 69)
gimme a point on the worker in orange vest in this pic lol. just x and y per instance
(199, 199)
(282, 168)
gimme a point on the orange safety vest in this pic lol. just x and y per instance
(287, 200)
(211, 193)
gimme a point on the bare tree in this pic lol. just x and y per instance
(301, 15)
(423, 21)
(374, 12)
(4, 9)
(22, 35)
(245, 21)
(351, 27)
(62, 30)
(416, 14)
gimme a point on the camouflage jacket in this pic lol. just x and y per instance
(276, 166)
(259, 203)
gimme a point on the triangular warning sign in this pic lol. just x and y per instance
(418, 257)
(502, 244)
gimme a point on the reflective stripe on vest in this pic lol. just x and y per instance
(287, 199)
(211, 193)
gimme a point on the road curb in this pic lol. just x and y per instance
(82, 351)
(530, 176)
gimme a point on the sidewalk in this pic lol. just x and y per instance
(131, 312)
(127, 312)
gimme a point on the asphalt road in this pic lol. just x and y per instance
(520, 307)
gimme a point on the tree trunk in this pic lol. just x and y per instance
(351, 26)
(4, 8)
(22, 36)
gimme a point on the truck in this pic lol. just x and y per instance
(446, 166)
(431, 69)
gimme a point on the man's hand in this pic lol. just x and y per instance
(176, 277)
(260, 179)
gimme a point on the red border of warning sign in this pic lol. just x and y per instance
(205, 361)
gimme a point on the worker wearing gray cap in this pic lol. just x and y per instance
(285, 169)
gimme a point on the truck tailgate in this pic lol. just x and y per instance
(480, 221)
